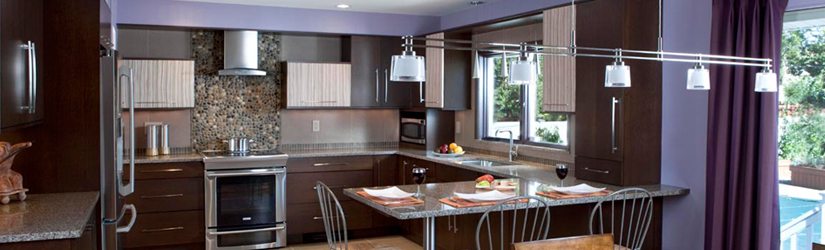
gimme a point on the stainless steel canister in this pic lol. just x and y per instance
(164, 139)
(152, 131)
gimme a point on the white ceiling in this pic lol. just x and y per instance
(412, 7)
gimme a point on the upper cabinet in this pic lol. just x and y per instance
(21, 62)
(559, 71)
(448, 75)
(370, 57)
(161, 83)
(314, 85)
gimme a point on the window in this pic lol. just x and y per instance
(517, 108)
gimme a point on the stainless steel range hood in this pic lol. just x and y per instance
(240, 53)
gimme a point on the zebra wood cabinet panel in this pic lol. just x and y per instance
(161, 83)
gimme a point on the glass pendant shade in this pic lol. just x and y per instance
(698, 78)
(407, 67)
(476, 65)
(522, 72)
(617, 75)
(766, 81)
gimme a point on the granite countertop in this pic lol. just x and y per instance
(434, 191)
(307, 153)
(170, 158)
(520, 169)
(47, 217)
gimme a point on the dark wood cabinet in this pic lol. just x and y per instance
(370, 57)
(21, 62)
(618, 130)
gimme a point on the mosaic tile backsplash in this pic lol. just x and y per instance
(235, 106)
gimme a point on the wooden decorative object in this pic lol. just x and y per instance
(11, 182)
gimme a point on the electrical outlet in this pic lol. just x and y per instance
(458, 127)
(316, 126)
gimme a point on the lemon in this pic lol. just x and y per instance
(453, 145)
(458, 149)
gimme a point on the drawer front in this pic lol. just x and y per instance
(168, 170)
(605, 171)
(324, 164)
(166, 195)
(306, 218)
(161, 229)
(300, 187)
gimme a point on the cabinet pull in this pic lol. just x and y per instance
(557, 104)
(160, 196)
(166, 229)
(328, 101)
(330, 187)
(377, 88)
(613, 147)
(31, 61)
(421, 92)
(598, 171)
(168, 170)
(327, 164)
(321, 217)
(386, 84)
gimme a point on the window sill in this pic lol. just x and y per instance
(549, 153)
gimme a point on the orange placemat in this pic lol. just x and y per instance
(462, 203)
(559, 196)
(411, 201)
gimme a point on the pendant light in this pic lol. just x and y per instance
(617, 75)
(523, 70)
(766, 81)
(698, 77)
(476, 65)
(407, 67)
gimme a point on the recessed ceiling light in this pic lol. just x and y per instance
(342, 6)
(476, 3)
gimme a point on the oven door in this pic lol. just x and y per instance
(245, 208)
(413, 130)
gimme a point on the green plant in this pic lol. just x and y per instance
(547, 135)
(803, 141)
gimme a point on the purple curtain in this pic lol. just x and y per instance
(742, 201)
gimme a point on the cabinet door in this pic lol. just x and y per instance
(434, 97)
(395, 94)
(317, 85)
(559, 71)
(22, 92)
(367, 72)
(161, 83)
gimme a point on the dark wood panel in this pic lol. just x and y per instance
(605, 171)
(160, 229)
(306, 218)
(300, 186)
(457, 75)
(326, 164)
(167, 195)
(168, 170)
(367, 82)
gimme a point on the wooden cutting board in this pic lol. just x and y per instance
(411, 201)
(560, 196)
(462, 203)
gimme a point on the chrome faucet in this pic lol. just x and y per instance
(512, 150)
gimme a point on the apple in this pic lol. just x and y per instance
(443, 149)
(486, 177)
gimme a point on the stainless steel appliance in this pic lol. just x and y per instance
(245, 199)
(413, 127)
(112, 186)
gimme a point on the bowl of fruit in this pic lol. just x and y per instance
(489, 182)
(449, 150)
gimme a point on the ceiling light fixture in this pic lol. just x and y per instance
(407, 67)
(342, 6)
(476, 3)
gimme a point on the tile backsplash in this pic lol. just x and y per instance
(235, 106)
(339, 126)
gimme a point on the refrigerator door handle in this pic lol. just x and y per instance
(133, 212)
(129, 188)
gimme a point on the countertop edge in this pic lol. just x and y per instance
(58, 234)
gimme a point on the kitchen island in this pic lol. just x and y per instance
(50, 221)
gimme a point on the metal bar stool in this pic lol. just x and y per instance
(529, 222)
(628, 222)
(335, 223)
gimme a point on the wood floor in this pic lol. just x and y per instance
(383, 243)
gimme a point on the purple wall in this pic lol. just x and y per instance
(684, 125)
(231, 16)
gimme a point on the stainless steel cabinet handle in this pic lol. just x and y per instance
(31, 61)
(160, 196)
(386, 84)
(597, 170)
(613, 146)
(255, 172)
(377, 88)
(326, 164)
(328, 101)
(168, 170)
(421, 92)
(156, 230)
(321, 217)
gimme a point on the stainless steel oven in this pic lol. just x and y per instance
(245, 203)
(413, 127)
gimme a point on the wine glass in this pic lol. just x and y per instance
(419, 176)
(561, 172)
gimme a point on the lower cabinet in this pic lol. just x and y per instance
(169, 200)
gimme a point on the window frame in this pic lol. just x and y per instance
(526, 120)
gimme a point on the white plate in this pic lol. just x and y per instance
(494, 195)
(577, 189)
(448, 155)
(391, 193)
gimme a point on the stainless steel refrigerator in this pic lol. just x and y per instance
(116, 217)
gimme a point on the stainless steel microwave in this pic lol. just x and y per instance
(414, 130)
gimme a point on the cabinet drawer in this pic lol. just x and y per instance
(306, 218)
(300, 187)
(604, 171)
(160, 229)
(324, 164)
(168, 170)
(167, 195)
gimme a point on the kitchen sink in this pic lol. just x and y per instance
(484, 163)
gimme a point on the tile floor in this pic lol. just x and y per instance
(382, 243)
